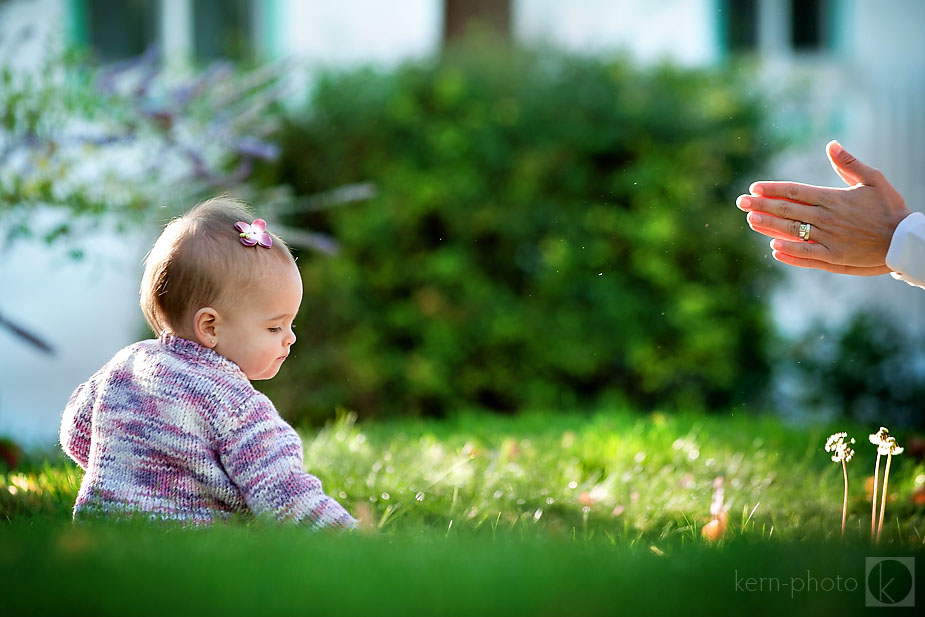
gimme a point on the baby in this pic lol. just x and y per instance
(171, 427)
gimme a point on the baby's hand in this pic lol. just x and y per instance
(366, 522)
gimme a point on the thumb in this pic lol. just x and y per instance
(851, 170)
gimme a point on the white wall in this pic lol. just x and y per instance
(887, 66)
(361, 31)
(44, 21)
(318, 35)
(86, 309)
(680, 30)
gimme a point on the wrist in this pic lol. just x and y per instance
(898, 218)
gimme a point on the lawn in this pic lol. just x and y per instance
(535, 514)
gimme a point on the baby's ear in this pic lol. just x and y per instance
(205, 326)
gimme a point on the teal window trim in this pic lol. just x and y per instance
(836, 25)
(719, 27)
(77, 29)
(271, 35)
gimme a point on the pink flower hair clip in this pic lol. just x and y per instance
(254, 234)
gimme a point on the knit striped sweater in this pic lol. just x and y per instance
(170, 429)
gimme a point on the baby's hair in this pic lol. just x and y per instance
(199, 261)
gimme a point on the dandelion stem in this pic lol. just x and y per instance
(873, 500)
(886, 479)
(842, 453)
(844, 508)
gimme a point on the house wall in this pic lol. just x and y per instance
(360, 31)
(86, 309)
(682, 31)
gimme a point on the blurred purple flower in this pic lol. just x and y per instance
(257, 148)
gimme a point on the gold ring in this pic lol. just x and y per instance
(805, 228)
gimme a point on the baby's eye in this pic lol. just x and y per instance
(275, 330)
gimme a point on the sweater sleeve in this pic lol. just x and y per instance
(262, 455)
(76, 423)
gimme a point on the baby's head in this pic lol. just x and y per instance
(202, 283)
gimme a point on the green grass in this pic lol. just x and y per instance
(486, 515)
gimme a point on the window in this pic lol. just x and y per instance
(807, 28)
(116, 30)
(775, 26)
(223, 29)
(741, 25)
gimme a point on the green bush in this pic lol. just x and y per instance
(868, 369)
(549, 231)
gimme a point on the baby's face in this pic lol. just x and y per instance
(256, 333)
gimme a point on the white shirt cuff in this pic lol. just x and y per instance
(906, 257)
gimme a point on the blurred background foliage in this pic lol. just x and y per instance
(548, 232)
(84, 147)
(868, 370)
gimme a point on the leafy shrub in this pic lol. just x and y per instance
(549, 231)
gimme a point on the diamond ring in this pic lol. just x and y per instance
(805, 228)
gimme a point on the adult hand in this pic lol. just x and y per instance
(851, 228)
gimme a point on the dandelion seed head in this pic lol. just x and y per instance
(890, 446)
(834, 439)
(880, 436)
(841, 450)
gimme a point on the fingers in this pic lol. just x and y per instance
(801, 249)
(366, 520)
(851, 170)
(780, 208)
(772, 233)
(793, 191)
(815, 264)
(781, 218)
(841, 162)
(774, 227)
